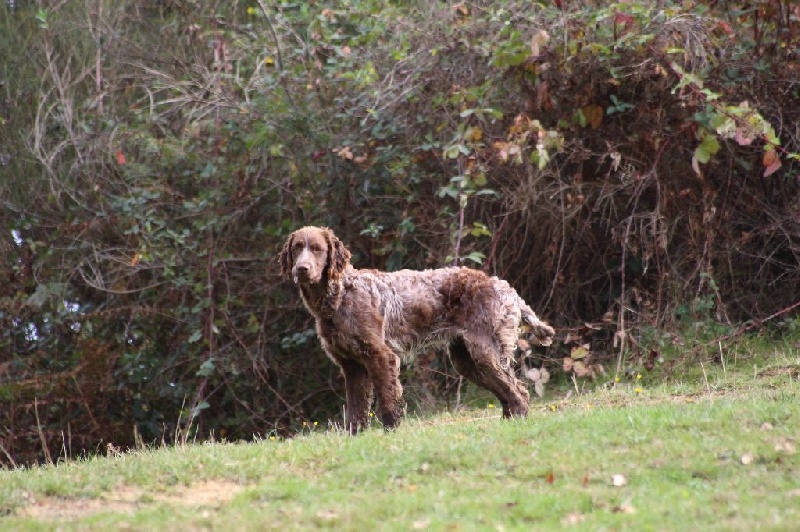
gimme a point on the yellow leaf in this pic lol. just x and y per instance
(579, 351)
(476, 134)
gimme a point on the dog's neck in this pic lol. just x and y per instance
(322, 298)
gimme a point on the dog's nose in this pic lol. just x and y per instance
(302, 268)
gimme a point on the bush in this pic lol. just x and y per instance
(627, 165)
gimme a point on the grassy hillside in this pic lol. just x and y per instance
(715, 450)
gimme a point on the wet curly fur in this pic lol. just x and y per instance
(367, 320)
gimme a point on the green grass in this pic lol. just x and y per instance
(714, 452)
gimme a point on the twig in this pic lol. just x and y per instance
(462, 204)
(8, 455)
(705, 377)
(47, 457)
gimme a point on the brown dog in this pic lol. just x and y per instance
(367, 320)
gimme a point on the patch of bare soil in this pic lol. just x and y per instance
(128, 499)
(791, 371)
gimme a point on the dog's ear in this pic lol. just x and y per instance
(338, 255)
(285, 257)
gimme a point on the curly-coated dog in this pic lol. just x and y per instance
(367, 320)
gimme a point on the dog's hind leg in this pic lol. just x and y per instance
(384, 370)
(479, 362)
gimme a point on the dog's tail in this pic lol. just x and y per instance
(542, 332)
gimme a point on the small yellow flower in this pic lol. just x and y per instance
(316, 423)
(616, 379)
(371, 414)
(639, 377)
(272, 438)
(490, 405)
(638, 390)
(553, 408)
(251, 10)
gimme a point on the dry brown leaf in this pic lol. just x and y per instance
(573, 519)
(328, 515)
(786, 446)
(593, 115)
(580, 369)
(538, 42)
(544, 375)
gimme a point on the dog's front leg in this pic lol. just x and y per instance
(384, 370)
(358, 389)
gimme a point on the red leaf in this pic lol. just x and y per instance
(726, 28)
(770, 156)
(623, 19)
(741, 137)
(771, 161)
(771, 169)
(550, 478)
(120, 157)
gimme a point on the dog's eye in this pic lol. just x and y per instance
(316, 249)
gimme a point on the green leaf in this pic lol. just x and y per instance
(206, 368)
(476, 256)
(708, 146)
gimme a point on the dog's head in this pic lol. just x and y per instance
(313, 254)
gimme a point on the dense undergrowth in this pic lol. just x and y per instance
(630, 168)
